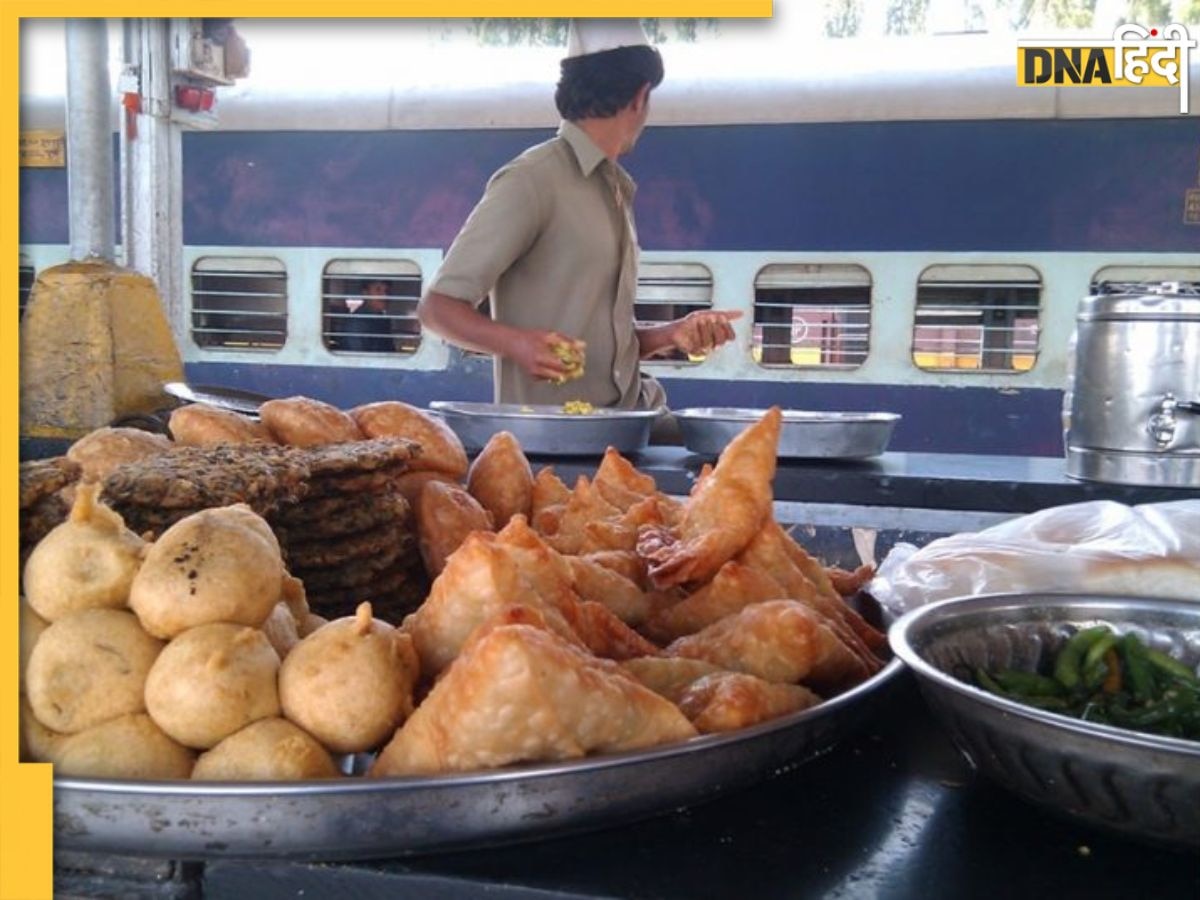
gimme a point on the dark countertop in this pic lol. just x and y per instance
(947, 481)
(892, 812)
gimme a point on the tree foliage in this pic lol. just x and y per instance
(553, 32)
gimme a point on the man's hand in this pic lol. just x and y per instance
(534, 351)
(703, 331)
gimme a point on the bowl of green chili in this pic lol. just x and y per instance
(1084, 704)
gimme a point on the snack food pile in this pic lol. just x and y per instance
(560, 621)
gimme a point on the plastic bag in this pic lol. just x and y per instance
(1098, 547)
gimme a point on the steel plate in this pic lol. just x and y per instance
(547, 429)
(361, 818)
(708, 430)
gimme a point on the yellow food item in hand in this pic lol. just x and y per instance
(571, 356)
(578, 408)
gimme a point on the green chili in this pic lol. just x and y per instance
(1068, 666)
(1137, 668)
(1028, 683)
(1171, 666)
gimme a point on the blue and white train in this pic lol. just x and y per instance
(914, 240)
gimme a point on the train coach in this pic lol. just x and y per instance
(910, 238)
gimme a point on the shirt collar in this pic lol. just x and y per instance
(587, 154)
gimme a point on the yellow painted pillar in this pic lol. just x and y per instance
(95, 346)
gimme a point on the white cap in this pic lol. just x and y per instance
(588, 36)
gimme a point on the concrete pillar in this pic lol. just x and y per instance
(89, 140)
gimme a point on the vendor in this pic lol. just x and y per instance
(554, 244)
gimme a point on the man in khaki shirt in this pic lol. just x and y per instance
(553, 242)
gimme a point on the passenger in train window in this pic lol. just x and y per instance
(553, 243)
(366, 326)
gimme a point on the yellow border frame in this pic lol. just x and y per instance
(26, 807)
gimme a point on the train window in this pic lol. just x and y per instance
(669, 291)
(25, 277)
(239, 303)
(1143, 279)
(370, 306)
(979, 318)
(812, 316)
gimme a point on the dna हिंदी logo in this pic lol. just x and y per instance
(1135, 57)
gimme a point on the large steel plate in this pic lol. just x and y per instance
(707, 430)
(362, 818)
(545, 429)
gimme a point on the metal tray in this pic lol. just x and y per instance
(245, 402)
(547, 429)
(805, 435)
(362, 818)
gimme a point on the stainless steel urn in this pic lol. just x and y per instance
(1131, 411)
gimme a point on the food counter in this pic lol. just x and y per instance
(894, 811)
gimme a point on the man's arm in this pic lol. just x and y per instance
(698, 332)
(462, 324)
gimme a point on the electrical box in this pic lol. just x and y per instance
(198, 55)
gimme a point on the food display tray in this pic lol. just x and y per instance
(545, 429)
(364, 818)
(707, 430)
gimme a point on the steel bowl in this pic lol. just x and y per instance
(707, 430)
(1125, 781)
(542, 429)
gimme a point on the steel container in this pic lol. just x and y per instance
(547, 430)
(1131, 411)
(804, 434)
(1130, 782)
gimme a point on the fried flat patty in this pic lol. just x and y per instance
(203, 477)
(357, 457)
(42, 477)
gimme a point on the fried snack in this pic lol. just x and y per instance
(411, 484)
(211, 681)
(216, 565)
(350, 684)
(446, 514)
(501, 479)
(620, 483)
(40, 478)
(552, 578)
(87, 562)
(480, 580)
(35, 742)
(774, 553)
(441, 450)
(305, 422)
(130, 747)
(669, 676)
(267, 750)
(724, 513)
(733, 588)
(101, 451)
(520, 693)
(311, 623)
(594, 582)
(202, 425)
(623, 562)
(281, 629)
(88, 667)
(548, 499)
(29, 629)
(584, 506)
(779, 640)
(578, 408)
(849, 583)
(571, 355)
(727, 701)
